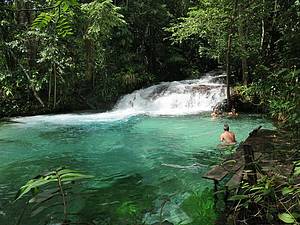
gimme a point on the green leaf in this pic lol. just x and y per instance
(74, 176)
(238, 197)
(258, 198)
(287, 190)
(65, 171)
(256, 188)
(31, 185)
(286, 217)
(297, 171)
(42, 20)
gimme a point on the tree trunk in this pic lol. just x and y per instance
(29, 80)
(228, 54)
(50, 88)
(262, 38)
(90, 60)
(245, 70)
(55, 86)
(228, 70)
(243, 38)
(20, 16)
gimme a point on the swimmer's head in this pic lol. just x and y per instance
(226, 127)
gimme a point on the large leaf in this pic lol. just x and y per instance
(65, 175)
(34, 183)
(42, 20)
(287, 218)
(287, 190)
(74, 176)
(238, 197)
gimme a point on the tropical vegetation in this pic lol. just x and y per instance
(65, 55)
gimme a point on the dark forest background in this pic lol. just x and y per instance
(66, 55)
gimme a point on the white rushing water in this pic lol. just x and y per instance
(174, 98)
(167, 98)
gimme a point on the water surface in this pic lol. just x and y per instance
(143, 162)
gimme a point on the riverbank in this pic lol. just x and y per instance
(265, 176)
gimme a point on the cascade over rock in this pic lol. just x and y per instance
(167, 98)
(175, 98)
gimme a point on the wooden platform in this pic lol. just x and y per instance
(265, 146)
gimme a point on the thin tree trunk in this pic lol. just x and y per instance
(270, 41)
(228, 54)
(29, 80)
(60, 186)
(245, 70)
(90, 60)
(50, 88)
(228, 70)
(242, 37)
(262, 28)
(55, 85)
(262, 33)
(20, 16)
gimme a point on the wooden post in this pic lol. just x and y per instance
(226, 195)
(215, 191)
(249, 164)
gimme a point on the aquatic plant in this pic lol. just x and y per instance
(56, 185)
(199, 206)
(128, 211)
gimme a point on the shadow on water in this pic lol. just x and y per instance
(124, 202)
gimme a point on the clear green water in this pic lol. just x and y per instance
(140, 161)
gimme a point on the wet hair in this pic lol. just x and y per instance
(226, 127)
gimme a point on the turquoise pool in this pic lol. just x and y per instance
(149, 165)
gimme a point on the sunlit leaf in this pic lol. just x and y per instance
(287, 190)
(287, 218)
(238, 197)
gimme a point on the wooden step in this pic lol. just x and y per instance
(217, 173)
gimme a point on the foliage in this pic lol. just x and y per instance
(59, 18)
(128, 211)
(277, 90)
(201, 23)
(271, 199)
(55, 184)
(101, 17)
(262, 35)
(68, 54)
(200, 207)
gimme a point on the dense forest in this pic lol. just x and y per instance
(64, 55)
(59, 56)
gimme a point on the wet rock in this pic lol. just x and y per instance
(239, 105)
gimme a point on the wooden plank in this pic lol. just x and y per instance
(230, 165)
(255, 131)
(235, 180)
(217, 173)
(233, 165)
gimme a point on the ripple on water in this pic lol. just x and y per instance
(137, 164)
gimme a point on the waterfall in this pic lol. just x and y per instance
(174, 98)
(167, 98)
